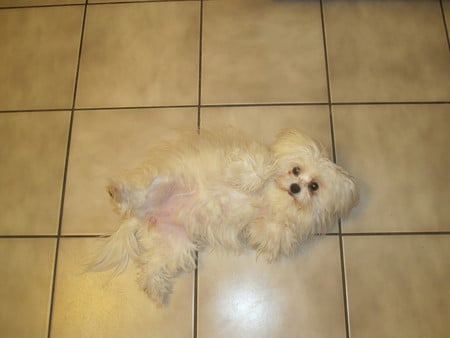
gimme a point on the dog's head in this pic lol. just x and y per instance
(316, 185)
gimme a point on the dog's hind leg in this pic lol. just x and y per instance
(128, 191)
(166, 251)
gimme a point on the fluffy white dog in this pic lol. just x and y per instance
(222, 191)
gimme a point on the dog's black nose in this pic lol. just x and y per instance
(294, 188)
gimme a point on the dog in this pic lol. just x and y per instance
(222, 190)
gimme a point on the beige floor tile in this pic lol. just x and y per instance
(103, 144)
(26, 269)
(263, 123)
(398, 286)
(245, 297)
(387, 51)
(140, 55)
(446, 4)
(38, 59)
(96, 305)
(399, 154)
(262, 51)
(32, 152)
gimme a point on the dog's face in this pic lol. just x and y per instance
(315, 184)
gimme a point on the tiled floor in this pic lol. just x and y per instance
(86, 89)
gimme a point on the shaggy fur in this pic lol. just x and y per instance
(222, 191)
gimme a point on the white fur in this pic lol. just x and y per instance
(222, 191)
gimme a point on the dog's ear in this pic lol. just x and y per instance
(290, 141)
(348, 195)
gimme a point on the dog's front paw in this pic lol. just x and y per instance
(243, 178)
(271, 240)
(246, 171)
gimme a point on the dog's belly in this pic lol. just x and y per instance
(211, 216)
(166, 216)
(218, 217)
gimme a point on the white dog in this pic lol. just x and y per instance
(222, 191)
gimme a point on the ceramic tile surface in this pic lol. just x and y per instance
(262, 51)
(26, 269)
(263, 123)
(131, 55)
(447, 10)
(38, 60)
(400, 156)
(404, 279)
(91, 304)
(387, 51)
(32, 151)
(104, 144)
(240, 295)
(87, 88)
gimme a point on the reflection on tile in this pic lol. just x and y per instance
(103, 144)
(400, 156)
(398, 286)
(26, 267)
(32, 152)
(131, 55)
(97, 305)
(271, 51)
(387, 51)
(240, 296)
(38, 59)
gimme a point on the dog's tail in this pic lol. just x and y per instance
(119, 249)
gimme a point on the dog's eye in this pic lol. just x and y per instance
(313, 186)
(296, 171)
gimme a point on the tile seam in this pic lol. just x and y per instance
(64, 179)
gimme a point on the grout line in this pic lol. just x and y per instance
(195, 300)
(445, 23)
(49, 236)
(136, 2)
(275, 104)
(333, 147)
(200, 57)
(226, 105)
(331, 234)
(199, 98)
(33, 110)
(139, 107)
(374, 103)
(64, 181)
(93, 4)
(42, 6)
(344, 283)
(396, 233)
(27, 236)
